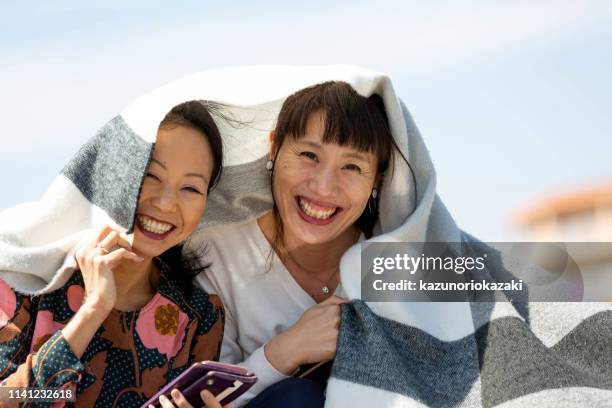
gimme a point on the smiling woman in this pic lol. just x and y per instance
(172, 198)
(134, 320)
(186, 187)
(328, 155)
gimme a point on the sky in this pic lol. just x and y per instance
(513, 98)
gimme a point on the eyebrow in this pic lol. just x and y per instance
(154, 160)
(354, 155)
(198, 175)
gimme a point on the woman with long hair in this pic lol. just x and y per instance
(129, 319)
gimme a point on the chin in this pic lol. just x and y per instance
(313, 235)
(146, 250)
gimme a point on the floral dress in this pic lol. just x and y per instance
(131, 356)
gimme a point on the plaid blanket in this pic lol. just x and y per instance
(390, 354)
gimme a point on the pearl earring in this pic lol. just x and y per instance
(374, 193)
(269, 165)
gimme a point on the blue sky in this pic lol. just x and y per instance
(512, 97)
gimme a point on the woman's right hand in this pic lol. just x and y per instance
(96, 260)
(313, 338)
(179, 399)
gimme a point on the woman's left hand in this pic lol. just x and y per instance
(178, 400)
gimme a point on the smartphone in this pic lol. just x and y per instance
(225, 381)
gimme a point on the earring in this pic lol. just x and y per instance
(372, 206)
(374, 193)
(269, 165)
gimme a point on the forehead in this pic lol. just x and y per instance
(318, 135)
(183, 146)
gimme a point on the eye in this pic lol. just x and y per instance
(152, 176)
(192, 190)
(353, 167)
(310, 155)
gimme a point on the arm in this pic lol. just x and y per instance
(257, 363)
(231, 350)
(53, 365)
(313, 338)
(96, 260)
(57, 362)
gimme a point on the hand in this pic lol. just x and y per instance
(313, 338)
(96, 260)
(177, 398)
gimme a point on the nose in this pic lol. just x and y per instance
(324, 181)
(165, 201)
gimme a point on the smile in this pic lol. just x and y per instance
(316, 213)
(154, 228)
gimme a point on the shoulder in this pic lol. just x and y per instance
(65, 301)
(204, 302)
(233, 248)
(235, 253)
(228, 235)
(11, 303)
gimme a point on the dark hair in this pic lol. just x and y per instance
(350, 120)
(197, 115)
(181, 265)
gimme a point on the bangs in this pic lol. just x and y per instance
(350, 119)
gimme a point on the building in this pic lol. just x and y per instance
(581, 219)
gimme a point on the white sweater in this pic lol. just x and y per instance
(259, 302)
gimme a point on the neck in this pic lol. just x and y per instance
(136, 283)
(310, 257)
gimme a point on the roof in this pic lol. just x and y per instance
(565, 204)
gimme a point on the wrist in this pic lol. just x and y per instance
(94, 309)
(283, 356)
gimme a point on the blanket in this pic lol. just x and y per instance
(390, 354)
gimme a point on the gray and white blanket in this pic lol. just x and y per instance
(390, 354)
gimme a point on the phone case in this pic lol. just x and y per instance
(225, 386)
(197, 372)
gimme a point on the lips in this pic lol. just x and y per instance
(154, 228)
(316, 212)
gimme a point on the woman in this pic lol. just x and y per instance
(280, 274)
(129, 319)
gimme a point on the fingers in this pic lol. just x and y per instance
(180, 400)
(114, 239)
(107, 238)
(102, 251)
(165, 402)
(103, 233)
(111, 259)
(334, 300)
(209, 400)
(111, 255)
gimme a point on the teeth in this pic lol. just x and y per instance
(154, 226)
(318, 214)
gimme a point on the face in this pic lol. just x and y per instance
(173, 195)
(321, 189)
